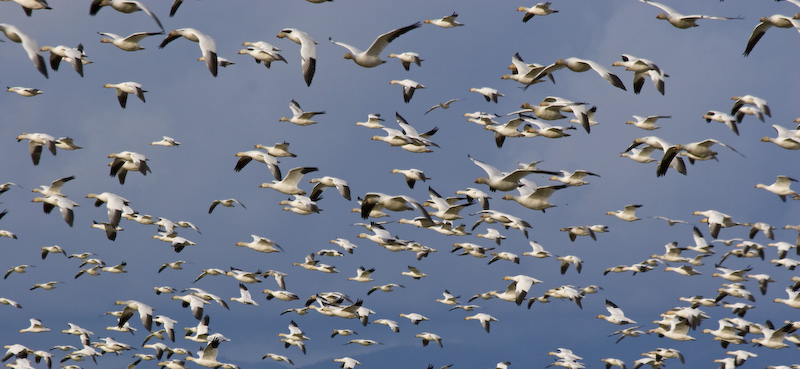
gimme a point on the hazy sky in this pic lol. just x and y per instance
(214, 118)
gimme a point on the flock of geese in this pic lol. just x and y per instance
(548, 220)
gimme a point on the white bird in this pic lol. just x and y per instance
(679, 20)
(225, 202)
(64, 204)
(616, 316)
(428, 337)
(723, 118)
(373, 121)
(72, 55)
(646, 123)
(208, 48)
(443, 105)
(35, 143)
(777, 20)
(484, 319)
(445, 22)
(628, 214)
(371, 57)
(407, 58)
(31, 47)
(246, 157)
(35, 327)
(642, 68)
(288, 185)
(25, 91)
(261, 55)
(541, 9)
(758, 102)
(781, 187)
(123, 6)
(490, 94)
(125, 88)
(261, 244)
(300, 117)
(347, 362)
(581, 65)
(786, 139)
(115, 204)
(166, 141)
(502, 181)
(409, 87)
(132, 306)
(308, 51)
(128, 43)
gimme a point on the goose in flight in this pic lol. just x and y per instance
(581, 65)
(407, 58)
(127, 43)
(288, 185)
(538, 9)
(31, 47)
(777, 20)
(308, 51)
(642, 68)
(616, 316)
(371, 57)
(443, 105)
(125, 88)
(679, 20)
(781, 187)
(300, 117)
(445, 22)
(503, 181)
(208, 48)
(123, 6)
(409, 87)
(72, 55)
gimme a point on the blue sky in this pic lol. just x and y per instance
(214, 118)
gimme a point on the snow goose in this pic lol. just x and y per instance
(308, 51)
(628, 214)
(445, 22)
(492, 234)
(786, 139)
(581, 65)
(428, 337)
(716, 220)
(123, 6)
(773, 338)
(65, 206)
(373, 121)
(225, 202)
(749, 110)
(409, 87)
(507, 220)
(476, 194)
(407, 58)
(679, 20)
(279, 150)
(646, 123)
(385, 288)
(207, 357)
(35, 143)
(777, 20)
(502, 181)
(792, 301)
(670, 153)
(537, 251)
(570, 259)
(125, 88)
(538, 9)
(208, 47)
(616, 316)
(443, 105)
(125, 161)
(31, 47)
(534, 197)
(17, 269)
(510, 129)
(345, 244)
(55, 249)
(524, 73)
(74, 56)
(54, 189)
(128, 43)
(347, 362)
(415, 318)
(377, 200)
(414, 273)
(280, 295)
(522, 286)
(46, 285)
(759, 103)
(371, 57)
(35, 327)
(362, 275)
(642, 68)
(300, 117)
(490, 94)
(165, 141)
(288, 185)
(573, 178)
(131, 306)
(277, 357)
(25, 91)
(544, 129)
(484, 319)
(262, 55)
(246, 157)
(701, 150)
(675, 328)
(723, 118)
(327, 181)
